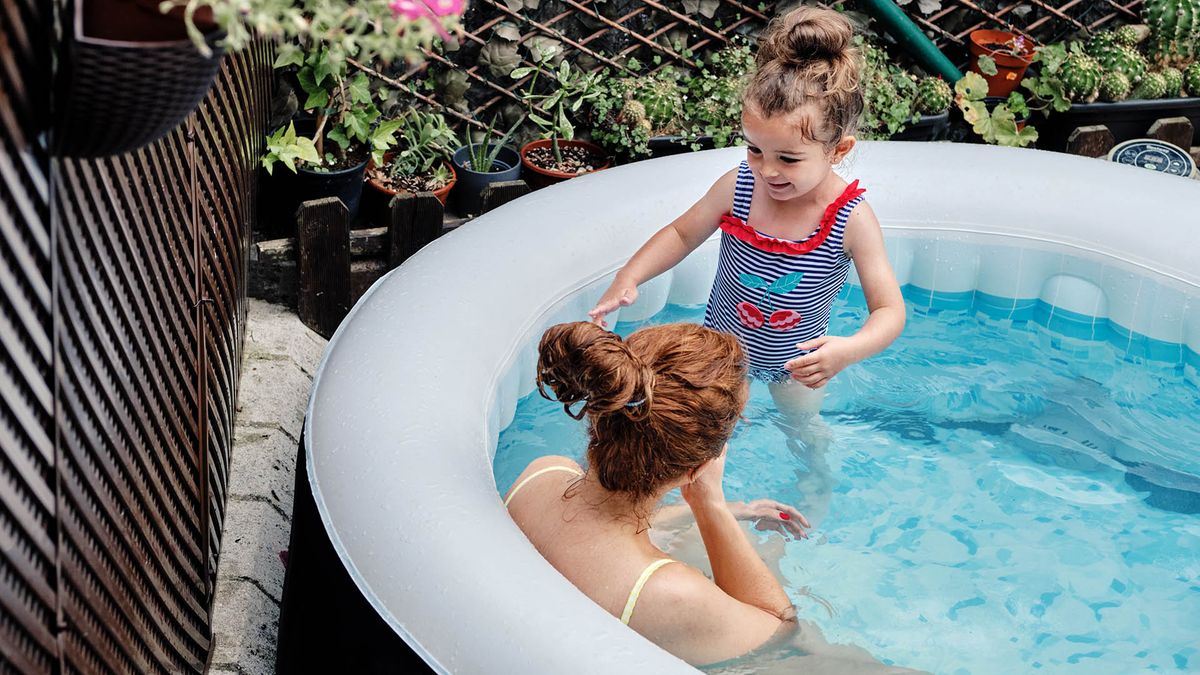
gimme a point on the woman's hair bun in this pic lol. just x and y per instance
(581, 361)
(806, 34)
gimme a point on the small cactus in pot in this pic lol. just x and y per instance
(1121, 58)
(1191, 79)
(934, 96)
(1174, 30)
(1081, 75)
(1152, 86)
(1114, 86)
(1174, 80)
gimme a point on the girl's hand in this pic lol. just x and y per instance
(619, 294)
(833, 353)
(769, 514)
(706, 490)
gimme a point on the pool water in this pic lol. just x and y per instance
(992, 498)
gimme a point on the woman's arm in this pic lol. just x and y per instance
(864, 242)
(667, 247)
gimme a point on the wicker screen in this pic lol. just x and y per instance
(122, 286)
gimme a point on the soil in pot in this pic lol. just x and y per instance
(377, 201)
(578, 157)
(575, 159)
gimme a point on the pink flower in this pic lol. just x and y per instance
(419, 9)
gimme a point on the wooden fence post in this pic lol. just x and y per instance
(415, 221)
(1175, 130)
(1090, 141)
(324, 254)
(499, 194)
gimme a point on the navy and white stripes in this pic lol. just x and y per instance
(773, 299)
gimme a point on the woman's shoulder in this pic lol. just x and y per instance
(547, 464)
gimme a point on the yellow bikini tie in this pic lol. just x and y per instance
(637, 588)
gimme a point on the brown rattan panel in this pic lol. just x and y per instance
(122, 286)
(27, 481)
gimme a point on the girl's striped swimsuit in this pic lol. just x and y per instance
(774, 293)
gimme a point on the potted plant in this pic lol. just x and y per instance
(712, 104)
(1010, 54)
(1110, 81)
(389, 30)
(557, 156)
(480, 164)
(996, 120)
(329, 154)
(418, 163)
(630, 110)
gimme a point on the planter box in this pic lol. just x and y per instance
(665, 146)
(928, 128)
(1126, 119)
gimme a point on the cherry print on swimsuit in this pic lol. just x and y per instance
(752, 316)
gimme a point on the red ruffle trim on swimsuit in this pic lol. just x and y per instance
(736, 227)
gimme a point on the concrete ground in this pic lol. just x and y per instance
(278, 362)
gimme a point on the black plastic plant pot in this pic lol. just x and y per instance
(467, 195)
(1125, 119)
(928, 128)
(129, 77)
(665, 146)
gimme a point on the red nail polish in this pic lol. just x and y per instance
(784, 516)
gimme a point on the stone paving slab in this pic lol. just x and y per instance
(278, 361)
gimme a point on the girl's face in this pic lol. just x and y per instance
(782, 159)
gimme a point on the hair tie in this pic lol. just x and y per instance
(634, 404)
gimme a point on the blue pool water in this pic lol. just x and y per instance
(992, 499)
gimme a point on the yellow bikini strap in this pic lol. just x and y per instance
(558, 467)
(637, 588)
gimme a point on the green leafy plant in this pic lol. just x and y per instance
(997, 124)
(423, 143)
(713, 103)
(344, 110)
(481, 156)
(889, 94)
(389, 30)
(565, 91)
(285, 146)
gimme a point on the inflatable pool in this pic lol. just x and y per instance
(427, 369)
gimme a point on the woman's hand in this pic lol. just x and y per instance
(706, 491)
(620, 294)
(814, 369)
(769, 514)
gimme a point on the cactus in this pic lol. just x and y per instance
(1081, 75)
(933, 96)
(1174, 80)
(662, 98)
(1101, 41)
(1174, 30)
(1121, 58)
(1114, 86)
(1153, 85)
(1131, 36)
(1191, 79)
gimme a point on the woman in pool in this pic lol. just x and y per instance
(661, 406)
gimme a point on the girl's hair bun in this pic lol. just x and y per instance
(806, 34)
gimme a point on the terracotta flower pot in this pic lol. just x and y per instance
(537, 177)
(1009, 69)
(378, 204)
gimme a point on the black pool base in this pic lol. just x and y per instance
(325, 623)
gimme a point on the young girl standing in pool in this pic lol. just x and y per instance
(790, 225)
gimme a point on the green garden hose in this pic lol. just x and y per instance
(910, 38)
